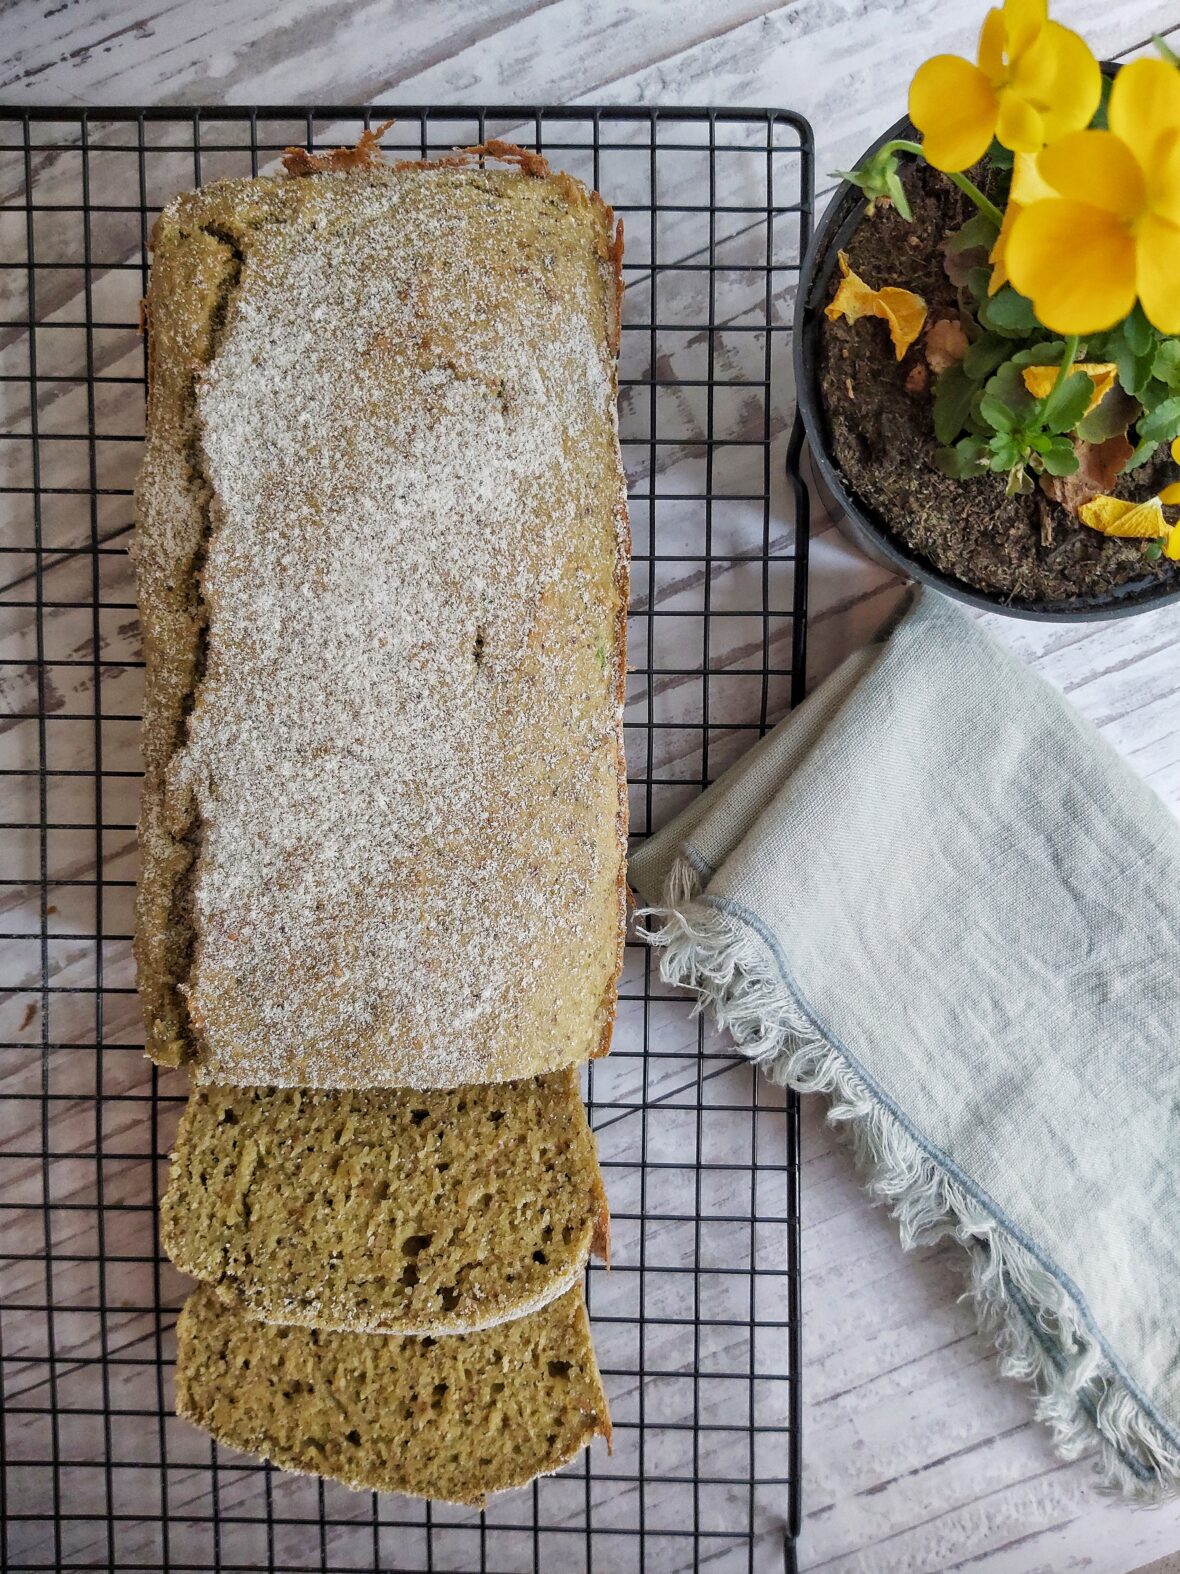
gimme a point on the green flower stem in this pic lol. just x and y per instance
(1065, 365)
(967, 187)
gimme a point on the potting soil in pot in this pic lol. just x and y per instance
(1026, 548)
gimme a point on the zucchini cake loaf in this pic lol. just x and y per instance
(451, 1419)
(386, 1211)
(382, 558)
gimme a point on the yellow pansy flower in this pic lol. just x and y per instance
(1027, 186)
(1035, 81)
(1111, 232)
(904, 311)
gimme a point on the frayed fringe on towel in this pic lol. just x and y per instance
(1080, 1398)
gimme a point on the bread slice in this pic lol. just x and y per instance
(453, 1419)
(382, 558)
(386, 1211)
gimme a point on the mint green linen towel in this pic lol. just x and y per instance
(936, 895)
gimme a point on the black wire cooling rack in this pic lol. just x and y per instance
(697, 1322)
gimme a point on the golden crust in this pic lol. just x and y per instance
(216, 229)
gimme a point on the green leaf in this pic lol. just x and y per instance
(975, 424)
(1135, 371)
(1153, 394)
(1166, 365)
(997, 414)
(1067, 403)
(1140, 457)
(1008, 313)
(1047, 354)
(1161, 424)
(998, 156)
(984, 356)
(979, 231)
(896, 190)
(1007, 385)
(968, 458)
(1005, 451)
(1137, 331)
(1115, 414)
(953, 393)
(1153, 550)
(1060, 458)
(976, 284)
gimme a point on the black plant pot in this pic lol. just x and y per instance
(860, 521)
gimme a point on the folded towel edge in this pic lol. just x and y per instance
(1036, 1316)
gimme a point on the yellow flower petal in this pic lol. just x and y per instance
(1115, 516)
(1096, 168)
(1019, 126)
(1172, 544)
(997, 256)
(993, 40)
(1170, 494)
(1075, 262)
(1144, 100)
(904, 311)
(1163, 176)
(1028, 185)
(1023, 20)
(1059, 76)
(954, 106)
(1039, 380)
(1158, 272)
(1176, 449)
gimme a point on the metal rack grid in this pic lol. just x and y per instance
(697, 1323)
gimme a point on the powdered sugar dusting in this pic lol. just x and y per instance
(404, 752)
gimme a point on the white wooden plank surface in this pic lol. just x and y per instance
(918, 1458)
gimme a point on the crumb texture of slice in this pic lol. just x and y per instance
(450, 1419)
(384, 1210)
(382, 558)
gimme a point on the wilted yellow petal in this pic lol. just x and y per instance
(1170, 494)
(1172, 544)
(1075, 262)
(904, 311)
(1096, 168)
(1157, 255)
(1028, 185)
(1144, 100)
(954, 106)
(1114, 516)
(1060, 77)
(1039, 380)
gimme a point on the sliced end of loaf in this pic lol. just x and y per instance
(450, 1419)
